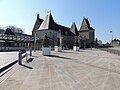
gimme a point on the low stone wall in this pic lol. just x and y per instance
(111, 50)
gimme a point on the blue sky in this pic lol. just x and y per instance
(104, 15)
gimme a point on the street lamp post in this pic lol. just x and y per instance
(112, 38)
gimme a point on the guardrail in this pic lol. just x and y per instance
(22, 54)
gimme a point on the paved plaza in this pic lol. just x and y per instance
(67, 70)
(116, 48)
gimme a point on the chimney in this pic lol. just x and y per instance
(37, 16)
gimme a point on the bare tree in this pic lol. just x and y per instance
(16, 29)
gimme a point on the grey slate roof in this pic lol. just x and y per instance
(74, 29)
(8, 31)
(37, 23)
(48, 23)
(116, 40)
(85, 25)
(64, 30)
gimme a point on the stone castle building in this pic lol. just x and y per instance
(115, 43)
(69, 35)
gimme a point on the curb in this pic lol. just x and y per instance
(7, 67)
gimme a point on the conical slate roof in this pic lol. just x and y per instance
(48, 23)
(85, 25)
(74, 29)
(8, 31)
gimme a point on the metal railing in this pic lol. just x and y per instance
(16, 38)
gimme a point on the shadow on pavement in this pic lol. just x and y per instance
(65, 52)
(60, 57)
(73, 52)
(29, 60)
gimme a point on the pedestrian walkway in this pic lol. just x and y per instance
(116, 48)
(66, 70)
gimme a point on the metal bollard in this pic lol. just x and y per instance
(20, 57)
(30, 51)
(26, 56)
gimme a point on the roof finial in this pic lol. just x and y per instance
(37, 16)
(49, 11)
(73, 22)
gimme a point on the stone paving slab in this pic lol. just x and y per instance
(111, 50)
(66, 70)
(116, 48)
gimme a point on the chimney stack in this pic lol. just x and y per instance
(37, 16)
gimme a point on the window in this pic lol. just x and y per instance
(56, 34)
(50, 34)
